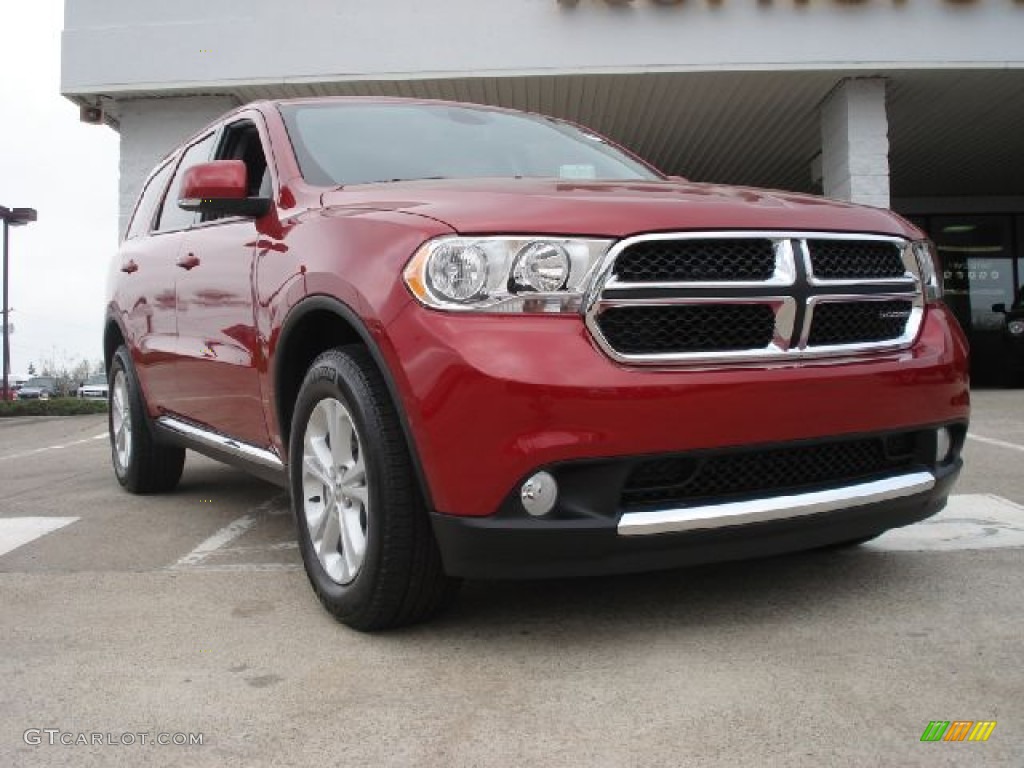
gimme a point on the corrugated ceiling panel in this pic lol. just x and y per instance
(951, 133)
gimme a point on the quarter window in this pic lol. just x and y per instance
(148, 202)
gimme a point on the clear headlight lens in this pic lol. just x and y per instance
(504, 274)
(541, 267)
(457, 272)
(931, 270)
(1016, 327)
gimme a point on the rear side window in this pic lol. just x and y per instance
(171, 216)
(148, 202)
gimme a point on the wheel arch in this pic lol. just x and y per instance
(113, 337)
(315, 324)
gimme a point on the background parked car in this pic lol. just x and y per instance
(94, 388)
(10, 393)
(38, 388)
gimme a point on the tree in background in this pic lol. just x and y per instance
(70, 374)
(31, 369)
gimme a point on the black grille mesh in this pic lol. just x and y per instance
(853, 322)
(696, 261)
(855, 259)
(685, 479)
(688, 328)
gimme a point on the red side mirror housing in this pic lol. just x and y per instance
(216, 180)
(220, 187)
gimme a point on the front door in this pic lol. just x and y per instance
(219, 356)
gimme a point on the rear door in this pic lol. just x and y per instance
(145, 294)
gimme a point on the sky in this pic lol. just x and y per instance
(68, 172)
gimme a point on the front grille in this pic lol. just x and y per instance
(855, 259)
(644, 330)
(696, 261)
(689, 479)
(739, 296)
(858, 322)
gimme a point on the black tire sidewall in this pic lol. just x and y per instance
(325, 380)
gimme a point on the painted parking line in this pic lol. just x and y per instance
(18, 531)
(219, 541)
(969, 521)
(37, 451)
(995, 442)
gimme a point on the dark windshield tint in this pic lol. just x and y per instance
(363, 143)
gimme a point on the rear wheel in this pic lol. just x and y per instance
(141, 464)
(363, 529)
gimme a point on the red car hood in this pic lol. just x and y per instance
(611, 209)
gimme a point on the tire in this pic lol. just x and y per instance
(363, 529)
(141, 464)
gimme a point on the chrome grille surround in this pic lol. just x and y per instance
(793, 292)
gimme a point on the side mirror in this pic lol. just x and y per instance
(220, 187)
(999, 309)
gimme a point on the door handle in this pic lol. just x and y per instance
(129, 266)
(188, 262)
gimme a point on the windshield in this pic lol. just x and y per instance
(98, 379)
(340, 144)
(41, 381)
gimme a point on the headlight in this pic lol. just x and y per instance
(504, 274)
(1016, 327)
(931, 270)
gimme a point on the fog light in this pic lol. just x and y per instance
(943, 445)
(539, 494)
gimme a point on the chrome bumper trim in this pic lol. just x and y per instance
(221, 442)
(713, 516)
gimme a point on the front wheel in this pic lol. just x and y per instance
(363, 529)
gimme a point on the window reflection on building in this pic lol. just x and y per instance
(982, 265)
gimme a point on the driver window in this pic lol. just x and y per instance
(241, 141)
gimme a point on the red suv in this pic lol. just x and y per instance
(480, 343)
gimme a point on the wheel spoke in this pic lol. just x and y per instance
(353, 539)
(313, 466)
(354, 475)
(340, 426)
(331, 533)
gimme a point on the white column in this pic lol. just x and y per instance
(150, 128)
(855, 143)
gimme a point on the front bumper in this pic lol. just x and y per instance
(490, 400)
(517, 546)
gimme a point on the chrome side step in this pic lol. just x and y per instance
(222, 442)
(713, 516)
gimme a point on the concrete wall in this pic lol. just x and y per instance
(150, 128)
(202, 44)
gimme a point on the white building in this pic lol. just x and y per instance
(917, 104)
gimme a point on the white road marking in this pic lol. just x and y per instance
(994, 441)
(229, 533)
(17, 531)
(53, 448)
(245, 568)
(220, 539)
(969, 521)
